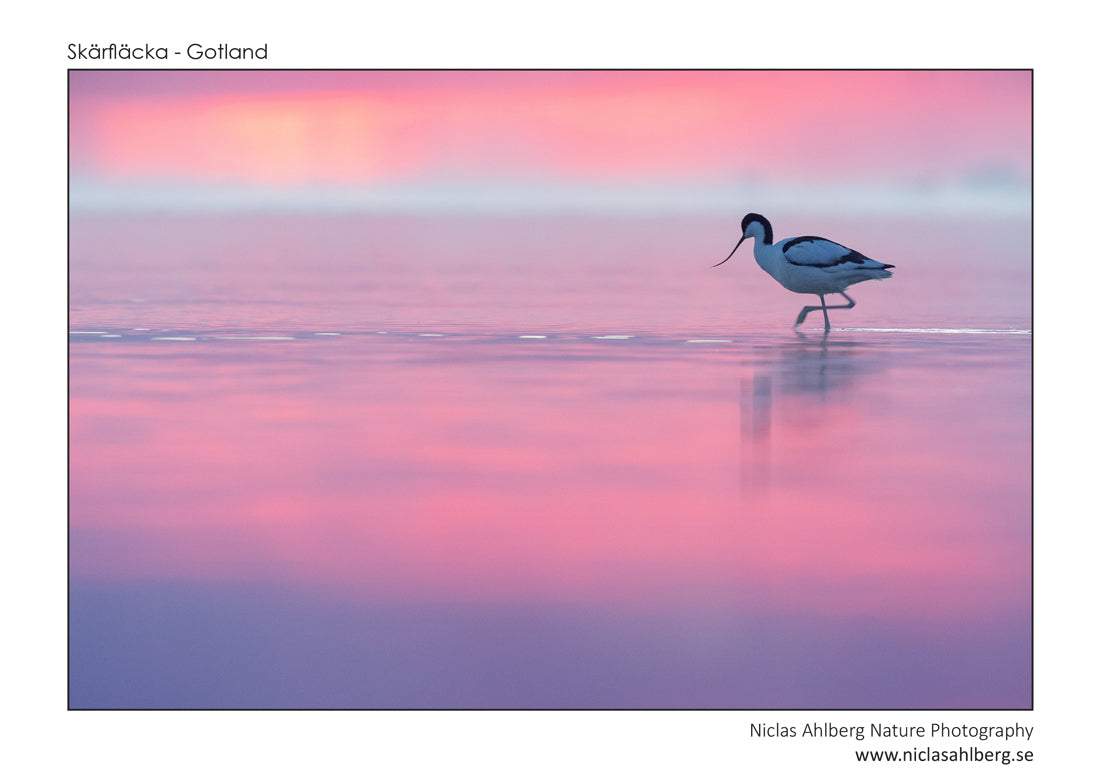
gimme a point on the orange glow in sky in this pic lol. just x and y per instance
(349, 128)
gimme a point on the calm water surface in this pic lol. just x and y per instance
(391, 462)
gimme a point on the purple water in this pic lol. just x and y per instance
(375, 461)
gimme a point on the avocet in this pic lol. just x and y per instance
(809, 265)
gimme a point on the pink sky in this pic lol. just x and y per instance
(270, 128)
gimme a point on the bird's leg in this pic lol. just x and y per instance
(851, 303)
(824, 309)
(808, 309)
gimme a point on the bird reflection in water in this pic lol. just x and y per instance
(756, 422)
(799, 377)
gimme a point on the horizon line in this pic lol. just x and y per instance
(540, 197)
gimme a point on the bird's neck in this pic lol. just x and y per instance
(768, 258)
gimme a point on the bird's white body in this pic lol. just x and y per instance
(812, 265)
(809, 264)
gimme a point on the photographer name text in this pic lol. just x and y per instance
(874, 730)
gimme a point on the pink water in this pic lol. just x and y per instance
(544, 462)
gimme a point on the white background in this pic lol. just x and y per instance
(41, 738)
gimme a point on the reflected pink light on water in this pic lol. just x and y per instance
(694, 515)
(475, 489)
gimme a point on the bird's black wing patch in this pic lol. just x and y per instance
(814, 251)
